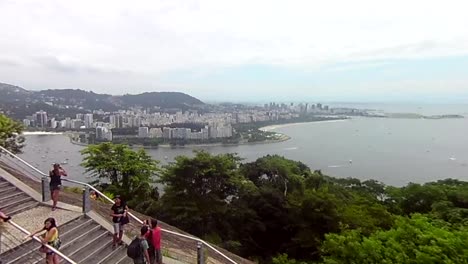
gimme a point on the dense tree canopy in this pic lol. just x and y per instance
(275, 210)
(198, 191)
(415, 240)
(10, 134)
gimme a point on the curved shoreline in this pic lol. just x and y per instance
(282, 138)
(41, 133)
(273, 127)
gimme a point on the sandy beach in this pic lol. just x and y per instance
(273, 127)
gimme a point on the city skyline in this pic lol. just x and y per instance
(297, 51)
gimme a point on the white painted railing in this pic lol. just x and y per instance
(112, 201)
(63, 256)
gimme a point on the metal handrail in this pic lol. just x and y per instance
(130, 214)
(11, 222)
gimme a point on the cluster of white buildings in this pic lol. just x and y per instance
(40, 119)
(136, 118)
(159, 124)
(205, 133)
(103, 133)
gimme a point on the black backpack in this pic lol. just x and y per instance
(150, 239)
(134, 250)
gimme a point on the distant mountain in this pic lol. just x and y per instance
(19, 102)
(10, 92)
(161, 99)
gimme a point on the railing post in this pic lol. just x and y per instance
(45, 189)
(200, 256)
(86, 200)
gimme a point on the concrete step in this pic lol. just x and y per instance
(12, 200)
(102, 253)
(13, 195)
(92, 248)
(3, 183)
(117, 255)
(83, 240)
(18, 207)
(6, 190)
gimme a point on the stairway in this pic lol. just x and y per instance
(83, 240)
(14, 201)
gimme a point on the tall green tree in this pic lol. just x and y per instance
(198, 191)
(10, 134)
(276, 172)
(121, 170)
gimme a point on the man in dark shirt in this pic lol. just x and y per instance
(56, 183)
(144, 257)
(119, 211)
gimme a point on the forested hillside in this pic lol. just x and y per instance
(276, 210)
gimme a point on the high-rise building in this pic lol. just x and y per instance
(88, 120)
(143, 132)
(116, 121)
(76, 123)
(99, 132)
(53, 123)
(26, 122)
(102, 133)
(156, 132)
(167, 132)
(41, 119)
(68, 122)
(220, 131)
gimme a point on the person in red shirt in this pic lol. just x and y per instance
(154, 240)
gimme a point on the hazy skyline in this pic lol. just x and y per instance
(241, 50)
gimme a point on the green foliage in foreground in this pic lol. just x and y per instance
(10, 134)
(275, 210)
(415, 240)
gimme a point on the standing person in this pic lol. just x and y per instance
(138, 249)
(51, 237)
(119, 213)
(56, 183)
(154, 241)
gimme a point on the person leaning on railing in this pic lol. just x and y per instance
(51, 237)
(4, 217)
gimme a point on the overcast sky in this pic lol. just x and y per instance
(248, 50)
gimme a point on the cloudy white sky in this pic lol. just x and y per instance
(249, 50)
